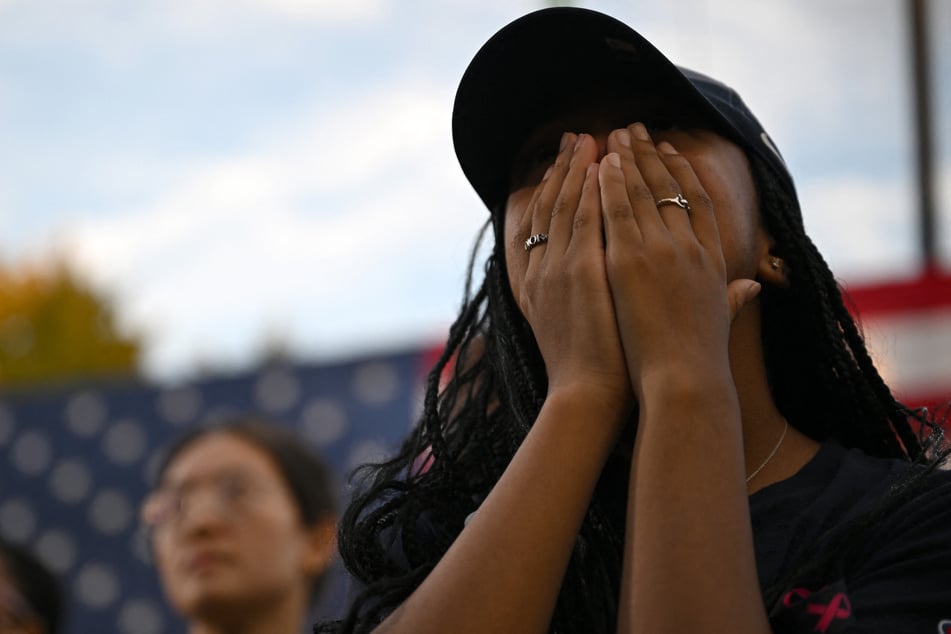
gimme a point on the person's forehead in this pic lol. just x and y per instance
(216, 454)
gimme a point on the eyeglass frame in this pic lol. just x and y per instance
(176, 496)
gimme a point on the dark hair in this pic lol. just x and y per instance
(833, 389)
(307, 478)
(820, 373)
(37, 585)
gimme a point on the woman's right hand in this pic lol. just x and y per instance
(561, 286)
(503, 573)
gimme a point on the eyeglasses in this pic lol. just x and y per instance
(234, 493)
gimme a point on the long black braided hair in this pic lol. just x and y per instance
(487, 388)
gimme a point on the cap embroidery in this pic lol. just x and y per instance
(944, 627)
(621, 46)
(768, 142)
(827, 611)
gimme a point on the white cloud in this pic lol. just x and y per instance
(811, 70)
(123, 37)
(244, 242)
(324, 10)
(349, 224)
(863, 227)
(211, 16)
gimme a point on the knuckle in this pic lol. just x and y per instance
(616, 262)
(622, 258)
(562, 278)
(695, 253)
(702, 199)
(675, 159)
(578, 269)
(617, 209)
(671, 186)
(641, 192)
(529, 286)
(542, 207)
(662, 250)
(580, 220)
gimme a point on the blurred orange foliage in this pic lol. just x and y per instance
(54, 328)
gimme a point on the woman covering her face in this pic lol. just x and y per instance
(660, 416)
(242, 528)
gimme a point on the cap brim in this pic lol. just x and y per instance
(535, 67)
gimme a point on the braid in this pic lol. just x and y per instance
(821, 374)
(825, 382)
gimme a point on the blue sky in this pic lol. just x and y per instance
(233, 171)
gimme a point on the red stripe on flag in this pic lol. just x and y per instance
(931, 289)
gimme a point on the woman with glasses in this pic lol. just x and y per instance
(241, 526)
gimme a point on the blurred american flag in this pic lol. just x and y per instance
(75, 464)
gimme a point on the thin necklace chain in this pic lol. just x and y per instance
(782, 437)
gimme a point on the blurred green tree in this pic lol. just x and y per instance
(55, 328)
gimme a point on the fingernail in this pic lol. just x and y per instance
(547, 173)
(613, 159)
(579, 142)
(753, 291)
(624, 138)
(641, 132)
(666, 148)
(564, 141)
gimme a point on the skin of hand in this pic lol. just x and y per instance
(562, 286)
(503, 572)
(665, 264)
(689, 561)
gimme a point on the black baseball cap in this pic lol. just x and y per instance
(536, 66)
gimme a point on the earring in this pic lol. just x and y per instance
(776, 263)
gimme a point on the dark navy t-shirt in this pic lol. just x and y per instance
(896, 578)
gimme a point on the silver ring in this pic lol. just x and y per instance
(535, 240)
(678, 200)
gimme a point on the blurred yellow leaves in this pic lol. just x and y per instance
(54, 328)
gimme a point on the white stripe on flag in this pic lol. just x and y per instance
(913, 350)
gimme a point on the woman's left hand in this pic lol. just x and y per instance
(665, 264)
(688, 526)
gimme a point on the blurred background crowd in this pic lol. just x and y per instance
(210, 210)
